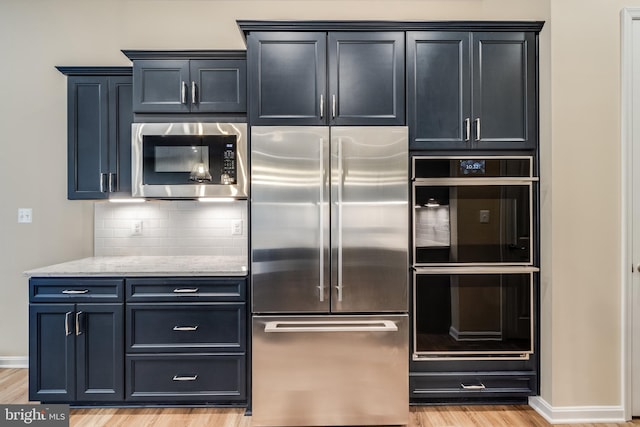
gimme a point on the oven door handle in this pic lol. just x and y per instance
(331, 326)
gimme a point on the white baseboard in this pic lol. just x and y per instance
(14, 362)
(577, 414)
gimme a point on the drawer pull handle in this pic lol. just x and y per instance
(473, 387)
(185, 290)
(75, 291)
(185, 378)
(185, 328)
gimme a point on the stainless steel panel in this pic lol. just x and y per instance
(369, 215)
(191, 191)
(289, 219)
(330, 370)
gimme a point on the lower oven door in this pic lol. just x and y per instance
(482, 312)
(330, 370)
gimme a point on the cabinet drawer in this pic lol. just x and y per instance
(187, 289)
(75, 289)
(464, 384)
(186, 327)
(213, 378)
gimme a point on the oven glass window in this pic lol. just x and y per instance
(472, 224)
(463, 314)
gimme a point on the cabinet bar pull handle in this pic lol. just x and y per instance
(193, 93)
(477, 129)
(185, 290)
(185, 378)
(467, 125)
(75, 291)
(333, 106)
(473, 387)
(321, 105)
(110, 180)
(102, 178)
(183, 92)
(78, 331)
(185, 328)
(67, 329)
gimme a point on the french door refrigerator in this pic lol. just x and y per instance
(329, 271)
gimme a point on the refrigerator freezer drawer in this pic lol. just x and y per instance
(330, 370)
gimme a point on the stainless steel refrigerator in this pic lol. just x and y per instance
(329, 272)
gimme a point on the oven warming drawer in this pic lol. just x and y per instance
(330, 370)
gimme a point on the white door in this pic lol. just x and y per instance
(633, 151)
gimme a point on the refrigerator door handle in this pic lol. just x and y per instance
(321, 228)
(330, 326)
(339, 203)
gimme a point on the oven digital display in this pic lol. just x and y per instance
(472, 167)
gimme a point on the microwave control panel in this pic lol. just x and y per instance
(228, 175)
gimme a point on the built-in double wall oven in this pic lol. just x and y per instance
(473, 257)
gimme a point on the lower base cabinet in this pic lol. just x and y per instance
(471, 386)
(133, 341)
(218, 378)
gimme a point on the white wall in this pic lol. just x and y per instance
(579, 94)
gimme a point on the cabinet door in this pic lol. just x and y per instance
(99, 352)
(438, 90)
(287, 78)
(218, 86)
(161, 86)
(120, 119)
(87, 157)
(366, 78)
(51, 352)
(504, 85)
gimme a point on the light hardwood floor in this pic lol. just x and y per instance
(14, 389)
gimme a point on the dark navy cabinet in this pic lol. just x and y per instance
(186, 340)
(76, 345)
(169, 340)
(189, 81)
(472, 90)
(319, 78)
(99, 119)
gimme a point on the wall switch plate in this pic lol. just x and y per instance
(485, 216)
(236, 227)
(25, 215)
(136, 227)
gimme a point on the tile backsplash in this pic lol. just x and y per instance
(170, 228)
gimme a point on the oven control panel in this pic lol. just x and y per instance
(228, 174)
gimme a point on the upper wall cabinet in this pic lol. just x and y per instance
(319, 78)
(472, 90)
(99, 131)
(189, 81)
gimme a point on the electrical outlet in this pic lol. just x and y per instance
(136, 227)
(25, 215)
(485, 216)
(236, 227)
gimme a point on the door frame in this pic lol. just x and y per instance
(627, 18)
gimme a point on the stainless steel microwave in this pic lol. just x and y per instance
(189, 160)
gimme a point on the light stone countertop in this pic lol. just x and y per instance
(146, 266)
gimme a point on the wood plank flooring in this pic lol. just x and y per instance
(14, 389)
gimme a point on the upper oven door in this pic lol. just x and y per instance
(472, 211)
(189, 160)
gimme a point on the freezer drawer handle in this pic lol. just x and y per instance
(331, 326)
(185, 328)
(473, 387)
(185, 290)
(185, 378)
(75, 291)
